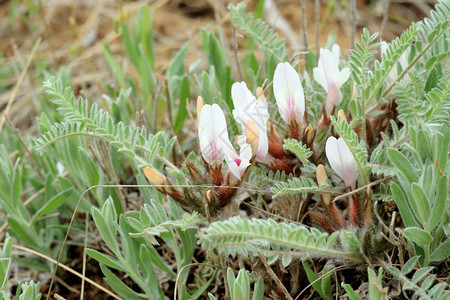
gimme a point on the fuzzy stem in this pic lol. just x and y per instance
(353, 207)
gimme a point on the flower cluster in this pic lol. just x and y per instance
(261, 143)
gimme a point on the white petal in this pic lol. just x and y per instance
(241, 95)
(287, 87)
(344, 74)
(247, 107)
(240, 116)
(320, 77)
(331, 150)
(213, 134)
(263, 147)
(220, 129)
(219, 123)
(246, 152)
(342, 160)
(234, 169)
(330, 67)
(334, 97)
(205, 132)
(350, 166)
(280, 91)
(335, 50)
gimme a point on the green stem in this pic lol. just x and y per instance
(427, 255)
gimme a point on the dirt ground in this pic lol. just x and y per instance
(73, 33)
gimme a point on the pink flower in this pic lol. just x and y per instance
(248, 108)
(327, 74)
(238, 164)
(213, 134)
(342, 160)
(215, 144)
(288, 92)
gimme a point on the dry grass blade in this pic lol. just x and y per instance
(18, 83)
(31, 251)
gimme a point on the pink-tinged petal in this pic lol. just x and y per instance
(342, 160)
(234, 169)
(334, 97)
(238, 164)
(327, 74)
(350, 166)
(213, 134)
(280, 90)
(248, 107)
(263, 147)
(288, 93)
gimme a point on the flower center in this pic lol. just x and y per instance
(291, 105)
(238, 161)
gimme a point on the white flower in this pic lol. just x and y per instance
(327, 74)
(248, 108)
(403, 60)
(213, 134)
(342, 160)
(237, 164)
(288, 92)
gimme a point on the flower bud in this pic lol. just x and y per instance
(342, 115)
(252, 135)
(155, 177)
(260, 93)
(332, 211)
(322, 180)
(199, 107)
(308, 135)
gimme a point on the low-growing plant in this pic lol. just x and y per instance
(339, 167)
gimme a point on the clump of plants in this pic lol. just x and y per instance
(330, 178)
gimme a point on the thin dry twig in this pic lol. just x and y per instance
(321, 277)
(225, 279)
(354, 11)
(19, 81)
(317, 25)
(274, 276)
(34, 252)
(304, 33)
(387, 3)
(86, 229)
(343, 196)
